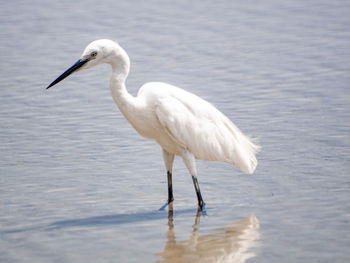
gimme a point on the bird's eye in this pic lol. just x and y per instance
(93, 54)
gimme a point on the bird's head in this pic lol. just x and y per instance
(98, 52)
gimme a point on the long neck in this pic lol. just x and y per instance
(127, 103)
(119, 92)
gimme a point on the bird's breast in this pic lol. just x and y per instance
(149, 127)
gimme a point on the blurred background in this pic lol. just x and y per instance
(78, 184)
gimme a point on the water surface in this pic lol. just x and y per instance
(78, 184)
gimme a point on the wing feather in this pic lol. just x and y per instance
(198, 126)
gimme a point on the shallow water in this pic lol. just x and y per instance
(78, 184)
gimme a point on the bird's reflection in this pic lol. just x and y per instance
(232, 243)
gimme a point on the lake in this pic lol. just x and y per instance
(78, 184)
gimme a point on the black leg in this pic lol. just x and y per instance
(170, 192)
(168, 161)
(170, 187)
(198, 192)
(190, 163)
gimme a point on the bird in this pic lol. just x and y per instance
(182, 123)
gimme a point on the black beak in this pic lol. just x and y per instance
(69, 71)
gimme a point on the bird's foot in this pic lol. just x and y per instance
(202, 209)
(168, 203)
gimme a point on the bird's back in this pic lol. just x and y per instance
(196, 125)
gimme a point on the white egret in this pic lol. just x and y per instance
(182, 123)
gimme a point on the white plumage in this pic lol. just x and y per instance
(180, 122)
(188, 122)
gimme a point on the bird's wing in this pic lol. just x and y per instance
(198, 126)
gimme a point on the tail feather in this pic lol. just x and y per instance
(251, 149)
(243, 154)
